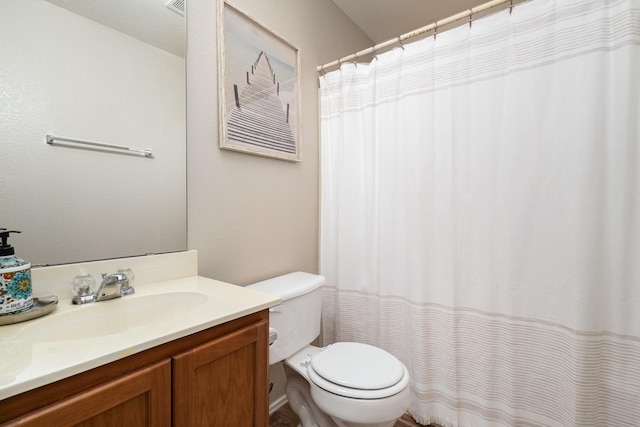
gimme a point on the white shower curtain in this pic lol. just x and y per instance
(481, 215)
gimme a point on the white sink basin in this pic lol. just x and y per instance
(104, 318)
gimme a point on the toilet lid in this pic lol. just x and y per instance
(356, 366)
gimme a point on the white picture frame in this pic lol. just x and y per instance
(259, 108)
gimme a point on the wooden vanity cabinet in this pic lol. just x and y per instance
(140, 398)
(223, 382)
(217, 377)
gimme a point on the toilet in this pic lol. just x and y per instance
(345, 384)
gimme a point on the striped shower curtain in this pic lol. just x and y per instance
(481, 215)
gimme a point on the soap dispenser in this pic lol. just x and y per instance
(15, 279)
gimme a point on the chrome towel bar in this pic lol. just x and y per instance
(144, 151)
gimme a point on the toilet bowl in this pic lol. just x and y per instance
(355, 384)
(345, 384)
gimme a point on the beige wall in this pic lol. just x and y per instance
(251, 217)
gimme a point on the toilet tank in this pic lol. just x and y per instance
(297, 319)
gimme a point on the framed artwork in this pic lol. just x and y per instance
(258, 88)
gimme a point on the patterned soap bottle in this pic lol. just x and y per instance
(15, 279)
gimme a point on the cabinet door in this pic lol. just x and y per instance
(141, 398)
(224, 382)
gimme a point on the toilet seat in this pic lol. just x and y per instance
(358, 370)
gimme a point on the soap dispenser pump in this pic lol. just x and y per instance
(15, 279)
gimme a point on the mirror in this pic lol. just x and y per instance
(104, 71)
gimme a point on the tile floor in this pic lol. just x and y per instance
(285, 417)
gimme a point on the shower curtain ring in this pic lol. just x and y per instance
(400, 42)
(355, 59)
(470, 17)
(375, 53)
(435, 31)
(510, 7)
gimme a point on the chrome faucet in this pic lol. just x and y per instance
(112, 286)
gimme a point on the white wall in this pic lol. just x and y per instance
(251, 217)
(69, 76)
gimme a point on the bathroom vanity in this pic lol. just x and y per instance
(181, 352)
(215, 377)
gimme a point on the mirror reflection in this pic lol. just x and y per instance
(106, 71)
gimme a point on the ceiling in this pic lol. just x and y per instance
(151, 21)
(383, 20)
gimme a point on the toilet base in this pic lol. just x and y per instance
(347, 424)
(299, 396)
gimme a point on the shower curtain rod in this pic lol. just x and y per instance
(431, 27)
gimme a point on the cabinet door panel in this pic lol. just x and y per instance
(223, 382)
(134, 411)
(141, 398)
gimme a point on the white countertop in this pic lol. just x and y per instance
(30, 357)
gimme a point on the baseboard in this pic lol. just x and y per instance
(277, 404)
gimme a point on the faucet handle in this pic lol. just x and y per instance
(84, 288)
(129, 273)
(83, 285)
(127, 288)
